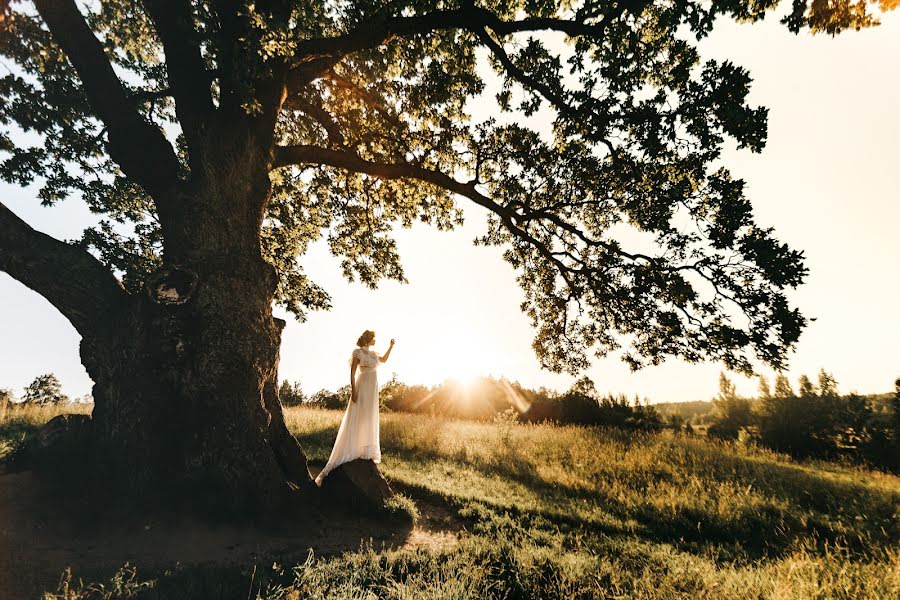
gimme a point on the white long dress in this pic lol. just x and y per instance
(358, 436)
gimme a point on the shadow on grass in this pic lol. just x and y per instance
(820, 508)
(199, 557)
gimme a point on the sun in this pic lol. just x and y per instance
(467, 372)
(460, 358)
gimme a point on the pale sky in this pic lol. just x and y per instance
(827, 181)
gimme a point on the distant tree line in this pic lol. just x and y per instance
(815, 421)
(45, 389)
(487, 397)
(583, 405)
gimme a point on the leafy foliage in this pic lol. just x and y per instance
(583, 405)
(834, 16)
(331, 399)
(815, 422)
(365, 114)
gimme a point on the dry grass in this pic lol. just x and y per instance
(17, 420)
(574, 512)
(660, 515)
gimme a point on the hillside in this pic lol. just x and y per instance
(521, 511)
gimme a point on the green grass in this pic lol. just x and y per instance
(568, 512)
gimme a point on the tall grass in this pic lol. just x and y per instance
(576, 512)
(18, 420)
(678, 489)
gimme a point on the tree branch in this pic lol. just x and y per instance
(321, 116)
(375, 103)
(75, 282)
(187, 74)
(289, 155)
(511, 218)
(316, 56)
(309, 70)
(374, 33)
(139, 147)
(150, 95)
(556, 99)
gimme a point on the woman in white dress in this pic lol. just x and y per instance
(358, 436)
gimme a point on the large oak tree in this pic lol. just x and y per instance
(217, 139)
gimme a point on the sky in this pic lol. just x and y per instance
(827, 181)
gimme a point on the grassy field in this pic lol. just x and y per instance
(574, 512)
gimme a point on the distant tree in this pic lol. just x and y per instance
(291, 394)
(764, 390)
(820, 423)
(584, 386)
(895, 405)
(827, 384)
(699, 412)
(580, 404)
(806, 424)
(675, 422)
(733, 412)
(45, 389)
(783, 387)
(805, 387)
(6, 397)
(331, 399)
(727, 389)
(853, 420)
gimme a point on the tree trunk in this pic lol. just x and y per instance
(185, 378)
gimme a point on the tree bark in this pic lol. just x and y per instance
(186, 407)
(185, 390)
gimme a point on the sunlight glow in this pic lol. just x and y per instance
(460, 358)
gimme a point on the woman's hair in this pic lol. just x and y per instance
(366, 338)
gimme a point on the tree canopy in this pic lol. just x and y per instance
(365, 109)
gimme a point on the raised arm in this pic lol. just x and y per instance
(388, 353)
(353, 364)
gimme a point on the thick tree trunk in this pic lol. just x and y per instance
(186, 405)
(185, 379)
